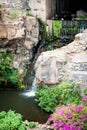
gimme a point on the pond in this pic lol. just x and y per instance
(22, 102)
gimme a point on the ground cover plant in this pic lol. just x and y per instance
(32, 124)
(11, 121)
(50, 97)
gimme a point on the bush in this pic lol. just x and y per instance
(11, 121)
(57, 26)
(32, 124)
(69, 117)
(48, 98)
(7, 72)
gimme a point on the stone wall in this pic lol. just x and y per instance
(50, 8)
(38, 8)
(43, 9)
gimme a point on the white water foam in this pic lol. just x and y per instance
(31, 92)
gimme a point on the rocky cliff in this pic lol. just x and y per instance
(68, 63)
(18, 35)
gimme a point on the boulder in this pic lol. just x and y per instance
(69, 63)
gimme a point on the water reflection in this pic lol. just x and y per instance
(24, 103)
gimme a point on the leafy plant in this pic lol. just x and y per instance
(7, 72)
(11, 121)
(84, 100)
(57, 26)
(82, 17)
(48, 98)
(69, 117)
(32, 124)
(85, 91)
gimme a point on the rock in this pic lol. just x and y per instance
(18, 36)
(68, 63)
(21, 4)
(81, 13)
(32, 32)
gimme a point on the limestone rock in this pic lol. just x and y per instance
(67, 63)
(18, 36)
(32, 32)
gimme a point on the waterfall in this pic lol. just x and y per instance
(31, 92)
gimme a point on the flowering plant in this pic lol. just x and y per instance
(69, 117)
(84, 100)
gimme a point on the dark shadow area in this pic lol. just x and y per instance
(67, 9)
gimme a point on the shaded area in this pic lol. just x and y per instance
(64, 8)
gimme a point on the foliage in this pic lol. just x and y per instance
(32, 124)
(57, 26)
(0, 5)
(11, 121)
(82, 17)
(69, 117)
(84, 100)
(7, 72)
(14, 14)
(49, 47)
(85, 91)
(48, 98)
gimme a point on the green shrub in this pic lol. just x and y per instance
(82, 17)
(57, 26)
(48, 98)
(11, 121)
(32, 124)
(7, 72)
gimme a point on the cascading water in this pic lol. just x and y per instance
(23, 101)
(31, 92)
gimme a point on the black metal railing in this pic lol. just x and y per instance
(70, 28)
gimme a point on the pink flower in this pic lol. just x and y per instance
(84, 118)
(79, 108)
(69, 116)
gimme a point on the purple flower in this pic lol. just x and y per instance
(56, 125)
(79, 108)
(69, 116)
(70, 127)
(50, 118)
(84, 118)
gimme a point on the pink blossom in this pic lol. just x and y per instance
(84, 118)
(79, 108)
(69, 116)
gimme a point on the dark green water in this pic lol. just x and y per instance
(20, 102)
